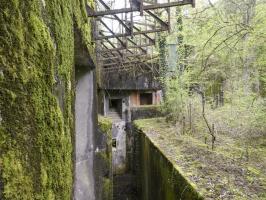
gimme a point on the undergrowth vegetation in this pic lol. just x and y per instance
(218, 85)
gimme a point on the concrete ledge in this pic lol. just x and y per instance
(144, 112)
(158, 175)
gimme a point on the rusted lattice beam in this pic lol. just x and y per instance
(129, 47)
(92, 13)
(135, 33)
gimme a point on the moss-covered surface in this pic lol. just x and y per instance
(104, 160)
(145, 111)
(105, 125)
(231, 171)
(107, 189)
(158, 177)
(36, 96)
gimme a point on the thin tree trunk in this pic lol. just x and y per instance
(248, 15)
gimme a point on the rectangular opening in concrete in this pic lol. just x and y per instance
(145, 98)
(115, 105)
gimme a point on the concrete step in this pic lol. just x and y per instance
(115, 116)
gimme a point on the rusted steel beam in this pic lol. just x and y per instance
(128, 21)
(141, 48)
(113, 53)
(133, 26)
(136, 66)
(129, 47)
(110, 30)
(111, 45)
(128, 30)
(116, 68)
(124, 63)
(125, 55)
(123, 44)
(126, 35)
(122, 56)
(164, 24)
(150, 66)
(145, 35)
(141, 59)
(121, 68)
(146, 7)
(129, 55)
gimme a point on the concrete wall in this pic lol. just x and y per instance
(127, 81)
(105, 97)
(144, 112)
(135, 97)
(130, 98)
(158, 178)
(85, 130)
(41, 41)
(103, 160)
(119, 152)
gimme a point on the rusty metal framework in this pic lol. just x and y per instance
(125, 31)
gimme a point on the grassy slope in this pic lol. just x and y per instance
(225, 173)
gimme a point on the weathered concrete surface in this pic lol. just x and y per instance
(158, 177)
(128, 81)
(144, 112)
(85, 128)
(119, 153)
(103, 160)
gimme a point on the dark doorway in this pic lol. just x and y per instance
(115, 105)
(145, 98)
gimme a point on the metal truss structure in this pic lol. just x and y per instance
(125, 31)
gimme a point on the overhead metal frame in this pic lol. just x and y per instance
(92, 13)
(120, 53)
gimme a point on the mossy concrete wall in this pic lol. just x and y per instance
(144, 112)
(103, 160)
(37, 59)
(157, 177)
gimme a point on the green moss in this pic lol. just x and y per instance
(105, 124)
(105, 157)
(160, 177)
(155, 107)
(232, 166)
(22, 177)
(107, 189)
(36, 135)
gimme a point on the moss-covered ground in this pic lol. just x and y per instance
(235, 169)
